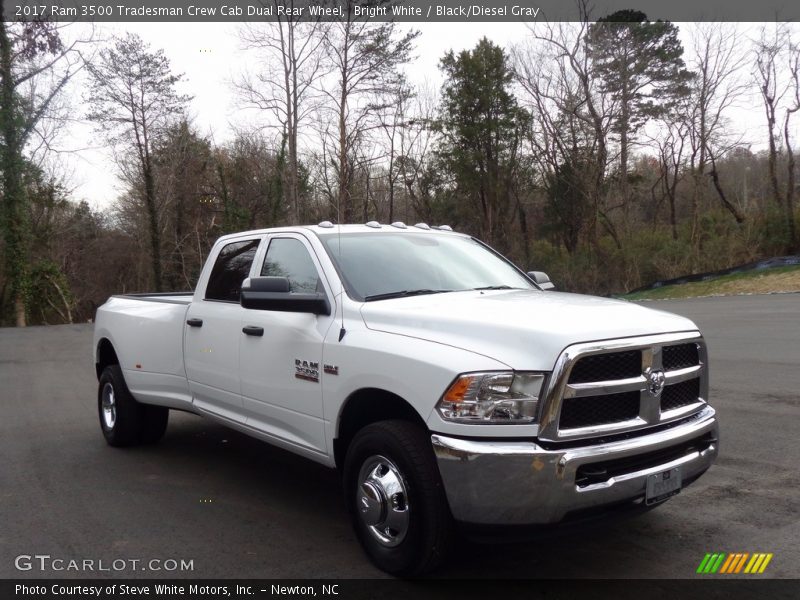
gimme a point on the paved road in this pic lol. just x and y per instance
(241, 508)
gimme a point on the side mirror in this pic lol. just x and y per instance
(273, 293)
(541, 279)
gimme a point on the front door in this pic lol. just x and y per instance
(281, 369)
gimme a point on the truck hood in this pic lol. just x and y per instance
(525, 329)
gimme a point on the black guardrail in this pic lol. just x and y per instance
(768, 263)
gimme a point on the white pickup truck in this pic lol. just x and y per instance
(442, 381)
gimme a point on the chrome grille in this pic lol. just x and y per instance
(624, 385)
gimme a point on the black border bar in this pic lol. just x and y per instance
(412, 11)
(710, 588)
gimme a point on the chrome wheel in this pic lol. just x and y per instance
(109, 406)
(382, 500)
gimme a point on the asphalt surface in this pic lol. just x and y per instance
(240, 508)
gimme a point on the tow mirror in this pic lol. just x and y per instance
(274, 293)
(541, 279)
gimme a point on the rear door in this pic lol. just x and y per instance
(281, 369)
(213, 331)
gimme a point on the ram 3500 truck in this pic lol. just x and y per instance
(442, 381)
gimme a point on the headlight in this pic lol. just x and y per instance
(496, 397)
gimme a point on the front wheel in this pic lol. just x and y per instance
(396, 498)
(123, 420)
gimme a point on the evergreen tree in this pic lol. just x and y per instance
(481, 125)
(640, 63)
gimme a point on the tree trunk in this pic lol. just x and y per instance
(64, 301)
(624, 124)
(293, 122)
(344, 210)
(152, 214)
(725, 202)
(391, 180)
(343, 204)
(293, 191)
(672, 220)
(15, 215)
(697, 178)
(523, 227)
(773, 154)
(792, 244)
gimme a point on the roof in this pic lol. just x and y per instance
(326, 227)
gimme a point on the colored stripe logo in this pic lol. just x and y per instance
(735, 562)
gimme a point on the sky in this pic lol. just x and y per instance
(208, 55)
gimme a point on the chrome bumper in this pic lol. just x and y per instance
(508, 483)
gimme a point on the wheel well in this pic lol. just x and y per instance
(105, 356)
(369, 405)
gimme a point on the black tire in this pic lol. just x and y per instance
(154, 423)
(429, 534)
(132, 423)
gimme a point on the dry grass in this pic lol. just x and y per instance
(779, 279)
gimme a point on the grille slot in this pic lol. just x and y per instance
(602, 471)
(599, 410)
(680, 394)
(680, 356)
(604, 367)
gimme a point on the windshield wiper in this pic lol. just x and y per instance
(403, 294)
(496, 287)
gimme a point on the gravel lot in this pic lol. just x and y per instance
(241, 508)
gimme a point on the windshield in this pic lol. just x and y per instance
(376, 266)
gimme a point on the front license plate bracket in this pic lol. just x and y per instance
(663, 485)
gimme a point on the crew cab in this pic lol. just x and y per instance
(449, 387)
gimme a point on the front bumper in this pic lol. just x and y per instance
(522, 483)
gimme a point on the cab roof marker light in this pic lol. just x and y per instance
(424, 226)
(445, 228)
(326, 224)
(373, 224)
(399, 225)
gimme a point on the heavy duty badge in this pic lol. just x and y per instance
(331, 369)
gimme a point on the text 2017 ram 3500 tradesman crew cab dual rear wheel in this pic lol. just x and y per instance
(449, 388)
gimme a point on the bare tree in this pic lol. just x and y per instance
(364, 58)
(771, 50)
(671, 145)
(183, 165)
(573, 117)
(717, 62)
(392, 116)
(290, 56)
(791, 109)
(416, 148)
(133, 100)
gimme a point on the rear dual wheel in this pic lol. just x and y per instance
(123, 420)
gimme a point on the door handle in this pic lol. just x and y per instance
(194, 322)
(250, 330)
